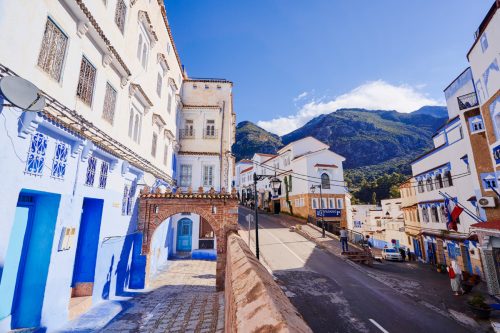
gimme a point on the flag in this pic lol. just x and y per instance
(453, 215)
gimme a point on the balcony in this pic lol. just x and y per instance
(186, 133)
(467, 101)
(210, 134)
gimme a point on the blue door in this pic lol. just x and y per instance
(184, 235)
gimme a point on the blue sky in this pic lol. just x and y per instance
(291, 60)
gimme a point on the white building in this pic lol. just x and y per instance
(116, 94)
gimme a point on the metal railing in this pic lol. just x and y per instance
(186, 133)
(334, 228)
(467, 101)
(206, 244)
(210, 134)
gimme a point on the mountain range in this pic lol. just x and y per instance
(374, 142)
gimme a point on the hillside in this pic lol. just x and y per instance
(376, 143)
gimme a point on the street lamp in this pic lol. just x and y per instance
(275, 184)
(313, 189)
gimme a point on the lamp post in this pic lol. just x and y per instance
(275, 184)
(313, 189)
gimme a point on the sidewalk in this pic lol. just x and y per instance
(416, 280)
(182, 298)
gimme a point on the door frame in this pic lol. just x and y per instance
(180, 223)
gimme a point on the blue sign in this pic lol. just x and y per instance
(496, 154)
(328, 212)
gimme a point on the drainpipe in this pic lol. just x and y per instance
(221, 138)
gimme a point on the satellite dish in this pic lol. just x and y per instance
(22, 94)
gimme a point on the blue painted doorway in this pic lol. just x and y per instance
(38, 213)
(86, 250)
(184, 235)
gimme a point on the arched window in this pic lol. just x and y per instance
(130, 123)
(421, 186)
(136, 128)
(325, 181)
(425, 214)
(139, 47)
(439, 181)
(447, 179)
(428, 184)
(434, 214)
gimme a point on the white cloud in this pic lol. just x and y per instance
(301, 96)
(375, 95)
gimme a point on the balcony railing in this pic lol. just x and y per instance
(467, 101)
(186, 133)
(212, 134)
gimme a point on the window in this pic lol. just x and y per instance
(36, 154)
(439, 181)
(103, 177)
(131, 123)
(444, 215)
(208, 175)
(86, 81)
(53, 50)
(188, 128)
(60, 160)
(297, 202)
(425, 214)
(290, 183)
(158, 85)
(325, 181)
(421, 186)
(434, 214)
(186, 172)
(301, 202)
(154, 144)
(428, 184)
(144, 56)
(210, 128)
(477, 126)
(120, 14)
(340, 203)
(139, 47)
(323, 203)
(331, 203)
(448, 181)
(286, 161)
(108, 112)
(169, 103)
(91, 167)
(314, 203)
(127, 201)
(165, 155)
(134, 125)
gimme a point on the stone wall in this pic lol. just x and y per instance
(254, 301)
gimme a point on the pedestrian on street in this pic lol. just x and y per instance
(455, 286)
(343, 239)
(458, 275)
(403, 253)
(368, 241)
(408, 254)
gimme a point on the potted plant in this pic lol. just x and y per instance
(479, 307)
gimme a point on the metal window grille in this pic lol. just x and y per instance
(103, 177)
(36, 154)
(60, 160)
(108, 112)
(165, 155)
(186, 172)
(91, 167)
(85, 89)
(121, 11)
(158, 85)
(208, 175)
(52, 51)
(125, 200)
(154, 144)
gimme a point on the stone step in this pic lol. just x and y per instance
(78, 306)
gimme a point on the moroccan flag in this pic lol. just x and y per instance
(455, 213)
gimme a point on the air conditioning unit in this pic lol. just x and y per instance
(487, 202)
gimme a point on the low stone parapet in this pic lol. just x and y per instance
(253, 300)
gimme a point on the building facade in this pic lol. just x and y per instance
(113, 82)
(411, 217)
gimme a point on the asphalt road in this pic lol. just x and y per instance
(334, 296)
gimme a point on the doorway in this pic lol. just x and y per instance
(184, 235)
(86, 250)
(277, 206)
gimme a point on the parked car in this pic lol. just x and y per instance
(391, 254)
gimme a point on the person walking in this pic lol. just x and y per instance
(455, 286)
(408, 254)
(403, 253)
(343, 239)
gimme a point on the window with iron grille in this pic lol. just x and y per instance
(91, 167)
(186, 172)
(36, 154)
(103, 177)
(60, 160)
(108, 112)
(121, 12)
(158, 84)
(208, 175)
(154, 144)
(85, 88)
(53, 49)
(165, 155)
(125, 200)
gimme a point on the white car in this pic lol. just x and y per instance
(391, 254)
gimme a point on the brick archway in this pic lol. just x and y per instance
(220, 210)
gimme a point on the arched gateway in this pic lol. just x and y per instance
(220, 210)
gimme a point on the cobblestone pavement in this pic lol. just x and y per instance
(182, 298)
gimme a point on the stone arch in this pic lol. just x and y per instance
(219, 210)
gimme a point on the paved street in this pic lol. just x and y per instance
(333, 295)
(182, 299)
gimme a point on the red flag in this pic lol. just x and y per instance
(454, 216)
